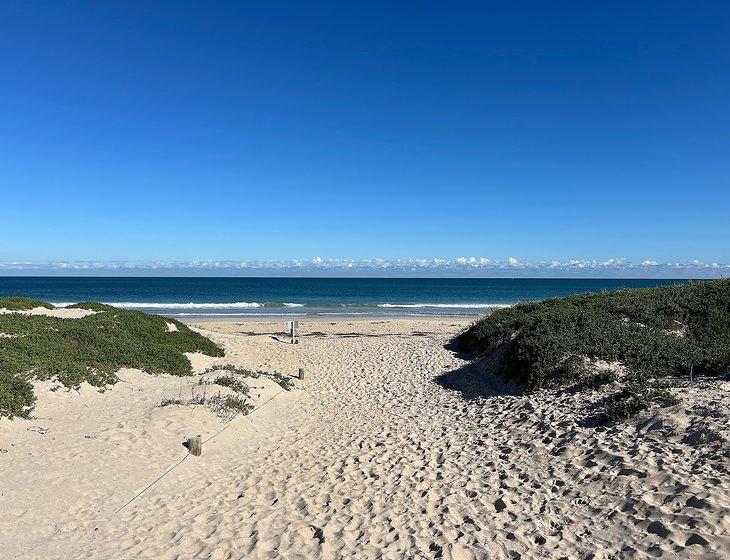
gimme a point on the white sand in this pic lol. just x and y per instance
(59, 312)
(369, 457)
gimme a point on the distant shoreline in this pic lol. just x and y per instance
(323, 318)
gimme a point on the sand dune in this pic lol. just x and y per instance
(58, 312)
(392, 447)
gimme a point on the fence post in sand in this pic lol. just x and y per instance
(301, 373)
(195, 445)
(293, 327)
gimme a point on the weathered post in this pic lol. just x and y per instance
(293, 326)
(195, 445)
(301, 373)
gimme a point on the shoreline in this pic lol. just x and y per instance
(326, 319)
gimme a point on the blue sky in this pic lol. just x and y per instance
(182, 131)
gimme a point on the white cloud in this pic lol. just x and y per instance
(468, 266)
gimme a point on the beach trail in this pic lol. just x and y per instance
(392, 447)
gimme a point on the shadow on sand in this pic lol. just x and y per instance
(478, 377)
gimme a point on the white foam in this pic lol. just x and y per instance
(264, 314)
(190, 305)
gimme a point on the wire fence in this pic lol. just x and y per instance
(180, 462)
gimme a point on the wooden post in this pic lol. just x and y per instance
(293, 326)
(301, 373)
(195, 445)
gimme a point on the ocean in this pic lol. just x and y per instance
(377, 297)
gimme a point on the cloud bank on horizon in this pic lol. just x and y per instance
(461, 266)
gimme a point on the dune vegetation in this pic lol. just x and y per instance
(642, 338)
(22, 303)
(92, 348)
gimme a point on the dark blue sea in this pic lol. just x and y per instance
(196, 297)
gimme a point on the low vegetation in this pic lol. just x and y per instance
(237, 404)
(224, 405)
(654, 333)
(16, 395)
(232, 383)
(91, 349)
(284, 381)
(22, 303)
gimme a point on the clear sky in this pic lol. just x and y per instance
(175, 131)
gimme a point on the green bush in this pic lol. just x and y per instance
(93, 348)
(598, 379)
(634, 398)
(236, 404)
(22, 303)
(16, 395)
(232, 383)
(654, 332)
(93, 306)
(282, 380)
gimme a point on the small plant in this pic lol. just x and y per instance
(284, 382)
(598, 379)
(227, 407)
(237, 404)
(235, 369)
(232, 383)
(170, 402)
(634, 398)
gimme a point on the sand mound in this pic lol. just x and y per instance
(59, 312)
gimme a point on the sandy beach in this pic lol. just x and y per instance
(393, 446)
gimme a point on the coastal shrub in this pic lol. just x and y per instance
(237, 405)
(235, 369)
(16, 395)
(634, 398)
(170, 402)
(94, 347)
(654, 332)
(598, 379)
(22, 303)
(232, 383)
(92, 306)
(283, 381)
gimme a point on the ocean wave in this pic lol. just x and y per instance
(189, 305)
(237, 305)
(444, 305)
(260, 314)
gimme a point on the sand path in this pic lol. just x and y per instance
(370, 457)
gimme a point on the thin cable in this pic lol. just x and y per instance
(151, 484)
(188, 454)
(244, 416)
